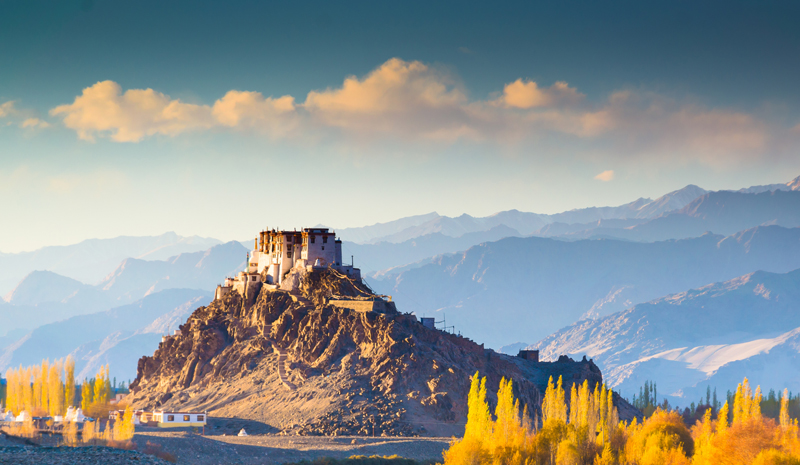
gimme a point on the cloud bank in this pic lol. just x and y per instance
(412, 101)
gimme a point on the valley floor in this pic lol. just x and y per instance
(192, 448)
(221, 445)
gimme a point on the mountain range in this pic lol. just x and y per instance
(710, 336)
(93, 259)
(118, 336)
(513, 277)
(43, 297)
(532, 223)
(522, 289)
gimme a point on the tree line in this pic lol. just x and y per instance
(49, 389)
(584, 429)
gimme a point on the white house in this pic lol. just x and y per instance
(176, 419)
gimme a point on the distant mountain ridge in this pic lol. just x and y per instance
(519, 289)
(524, 223)
(573, 224)
(119, 335)
(708, 336)
(793, 185)
(44, 297)
(91, 260)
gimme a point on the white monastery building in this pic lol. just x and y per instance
(275, 253)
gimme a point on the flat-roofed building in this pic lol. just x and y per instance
(166, 419)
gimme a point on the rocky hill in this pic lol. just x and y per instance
(296, 362)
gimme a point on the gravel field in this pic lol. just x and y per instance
(191, 448)
(31, 455)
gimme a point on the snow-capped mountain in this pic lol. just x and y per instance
(712, 336)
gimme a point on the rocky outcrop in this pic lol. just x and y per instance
(352, 372)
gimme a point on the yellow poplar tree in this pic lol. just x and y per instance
(471, 450)
(574, 406)
(128, 428)
(55, 390)
(602, 437)
(27, 395)
(722, 418)
(44, 382)
(11, 390)
(38, 386)
(87, 391)
(507, 434)
(69, 382)
(755, 406)
(738, 402)
(784, 416)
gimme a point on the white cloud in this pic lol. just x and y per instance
(605, 176)
(412, 101)
(7, 109)
(34, 123)
(130, 116)
(399, 98)
(253, 110)
(528, 94)
(104, 110)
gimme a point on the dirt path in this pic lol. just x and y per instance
(283, 369)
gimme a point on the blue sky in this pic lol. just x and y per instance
(217, 118)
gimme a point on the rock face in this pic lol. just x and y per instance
(295, 362)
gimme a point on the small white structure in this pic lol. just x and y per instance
(242, 432)
(179, 419)
(9, 416)
(74, 415)
(24, 416)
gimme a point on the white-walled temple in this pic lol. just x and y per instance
(275, 253)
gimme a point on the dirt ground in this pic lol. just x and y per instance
(219, 443)
(192, 448)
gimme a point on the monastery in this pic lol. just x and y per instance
(275, 253)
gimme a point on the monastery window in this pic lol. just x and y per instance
(312, 239)
(289, 254)
(170, 417)
(289, 239)
(186, 418)
(324, 239)
(200, 418)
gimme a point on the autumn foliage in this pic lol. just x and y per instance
(42, 390)
(587, 431)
